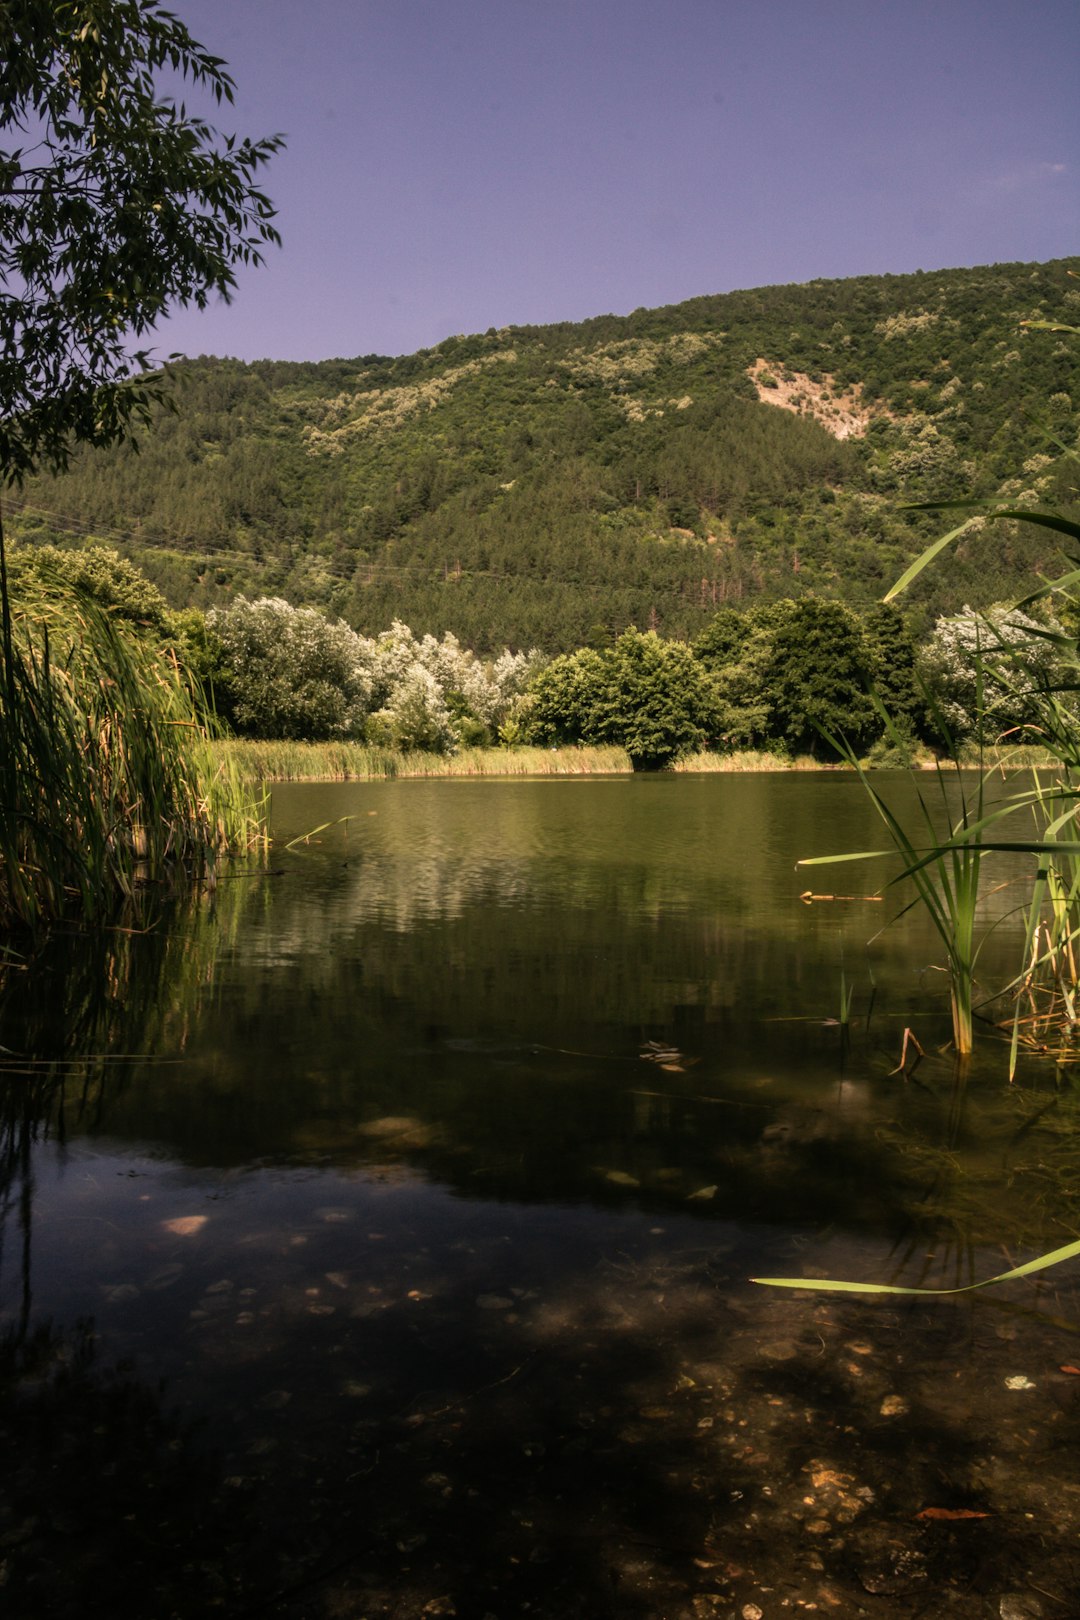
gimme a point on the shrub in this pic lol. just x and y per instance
(291, 672)
(106, 776)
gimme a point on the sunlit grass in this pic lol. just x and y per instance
(352, 761)
(282, 761)
(348, 761)
(751, 759)
(108, 784)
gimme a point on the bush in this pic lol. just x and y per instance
(290, 672)
(100, 573)
(106, 775)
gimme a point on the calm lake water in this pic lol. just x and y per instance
(377, 1237)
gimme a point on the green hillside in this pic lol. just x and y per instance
(550, 485)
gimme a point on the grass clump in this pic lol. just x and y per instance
(748, 759)
(353, 761)
(108, 781)
(348, 761)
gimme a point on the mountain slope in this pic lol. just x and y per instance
(552, 484)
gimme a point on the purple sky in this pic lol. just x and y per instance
(459, 164)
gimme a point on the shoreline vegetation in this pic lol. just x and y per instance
(256, 762)
(109, 786)
(272, 761)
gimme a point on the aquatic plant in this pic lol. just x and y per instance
(944, 873)
(1068, 1251)
(1042, 692)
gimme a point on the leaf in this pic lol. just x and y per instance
(927, 557)
(621, 1178)
(835, 860)
(949, 1514)
(1068, 1251)
(1050, 326)
(1043, 520)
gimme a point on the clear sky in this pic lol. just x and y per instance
(459, 164)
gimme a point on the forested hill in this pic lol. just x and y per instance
(550, 485)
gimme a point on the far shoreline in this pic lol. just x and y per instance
(265, 762)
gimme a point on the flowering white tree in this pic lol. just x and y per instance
(984, 670)
(415, 716)
(291, 672)
(470, 689)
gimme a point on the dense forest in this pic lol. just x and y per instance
(551, 486)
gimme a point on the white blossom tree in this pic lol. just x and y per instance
(415, 717)
(291, 672)
(984, 670)
(283, 671)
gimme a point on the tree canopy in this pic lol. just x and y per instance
(549, 486)
(650, 696)
(116, 204)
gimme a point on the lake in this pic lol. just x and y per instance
(377, 1236)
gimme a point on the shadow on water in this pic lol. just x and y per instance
(109, 1502)
(644, 1443)
(378, 1244)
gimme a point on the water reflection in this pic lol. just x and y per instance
(418, 1178)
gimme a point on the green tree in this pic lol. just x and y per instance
(818, 678)
(564, 698)
(896, 680)
(658, 702)
(786, 672)
(723, 640)
(648, 695)
(119, 206)
(737, 649)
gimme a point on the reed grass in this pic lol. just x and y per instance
(1047, 988)
(751, 759)
(352, 761)
(945, 872)
(109, 785)
(1068, 1251)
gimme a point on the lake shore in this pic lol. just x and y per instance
(275, 761)
(349, 761)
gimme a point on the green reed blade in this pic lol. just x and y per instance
(1068, 1251)
(925, 558)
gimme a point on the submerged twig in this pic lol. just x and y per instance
(910, 1039)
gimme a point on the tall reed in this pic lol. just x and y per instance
(107, 778)
(344, 761)
(944, 871)
(274, 761)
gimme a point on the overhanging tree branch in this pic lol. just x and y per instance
(142, 207)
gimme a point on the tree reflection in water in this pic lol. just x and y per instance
(415, 1290)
